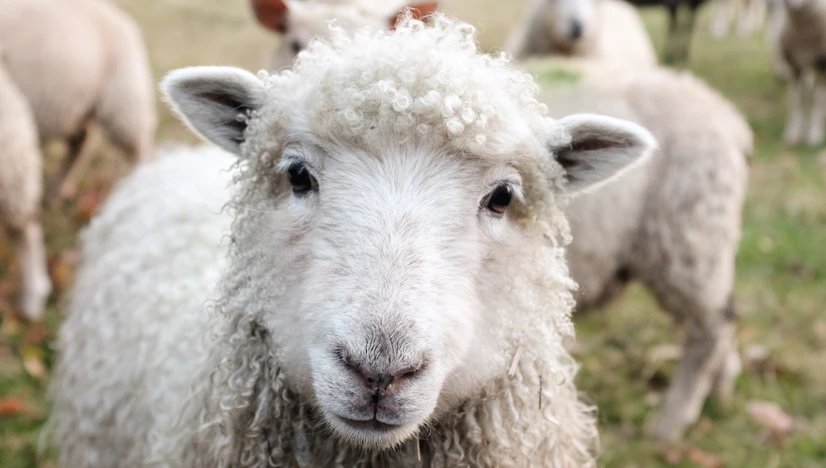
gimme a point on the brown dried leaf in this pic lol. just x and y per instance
(673, 455)
(771, 416)
(63, 269)
(702, 458)
(12, 407)
(33, 362)
(37, 335)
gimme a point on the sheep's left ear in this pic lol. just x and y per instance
(418, 10)
(272, 14)
(600, 148)
(210, 100)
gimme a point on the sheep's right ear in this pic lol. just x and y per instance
(211, 99)
(272, 14)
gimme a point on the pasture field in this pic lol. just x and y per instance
(626, 350)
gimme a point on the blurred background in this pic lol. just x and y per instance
(778, 418)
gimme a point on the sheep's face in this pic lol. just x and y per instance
(378, 243)
(570, 22)
(305, 21)
(391, 245)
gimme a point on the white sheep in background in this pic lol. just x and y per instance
(673, 224)
(802, 46)
(606, 29)
(79, 62)
(299, 22)
(395, 292)
(20, 191)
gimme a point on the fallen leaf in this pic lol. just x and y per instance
(673, 456)
(88, 205)
(63, 269)
(11, 324)
(6, 290)
(771, 416)
(11, 407)
(37, 335)
(33, 362)
(702, 458)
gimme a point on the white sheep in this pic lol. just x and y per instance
(802, 46)
(395, 292)
(606, 29)
(673, 224)
(20, 191)
(299, 22)
(80, 62)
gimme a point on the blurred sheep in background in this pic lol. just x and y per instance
(673, 223)
(802, 47)
(20, 192)
(74, 63)
(606, 29)
(298, 22)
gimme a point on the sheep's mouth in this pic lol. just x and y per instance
(372, 425)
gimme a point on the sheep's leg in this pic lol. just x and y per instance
(753, 15)
(688, 34)
(67, 178)
(722, 18)
(672, 42)
(36, 285)
(797, 102)
(817, 120)
(706, 354)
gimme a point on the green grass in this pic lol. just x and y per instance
(781, 276)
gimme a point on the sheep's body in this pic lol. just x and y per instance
(674, 223)
(20, 191)
(365, 247)
(166, 220)
(616, 34)
(97, 55)
(802, 46)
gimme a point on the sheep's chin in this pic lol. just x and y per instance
(369, 435)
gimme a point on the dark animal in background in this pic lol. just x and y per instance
(679, 29)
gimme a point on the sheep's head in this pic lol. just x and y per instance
(299, 22)
(570, 23)
(397, 235)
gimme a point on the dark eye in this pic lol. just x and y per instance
(296, 47)
(300, 178)
(500, 198)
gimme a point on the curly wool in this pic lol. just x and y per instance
(423, 83)
(223, 401)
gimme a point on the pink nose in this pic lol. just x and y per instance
(375, 382)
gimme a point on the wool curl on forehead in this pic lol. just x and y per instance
(425, 85)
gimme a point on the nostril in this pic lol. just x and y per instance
(576, 29)
(296, 47)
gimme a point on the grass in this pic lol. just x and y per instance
(781, 276)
